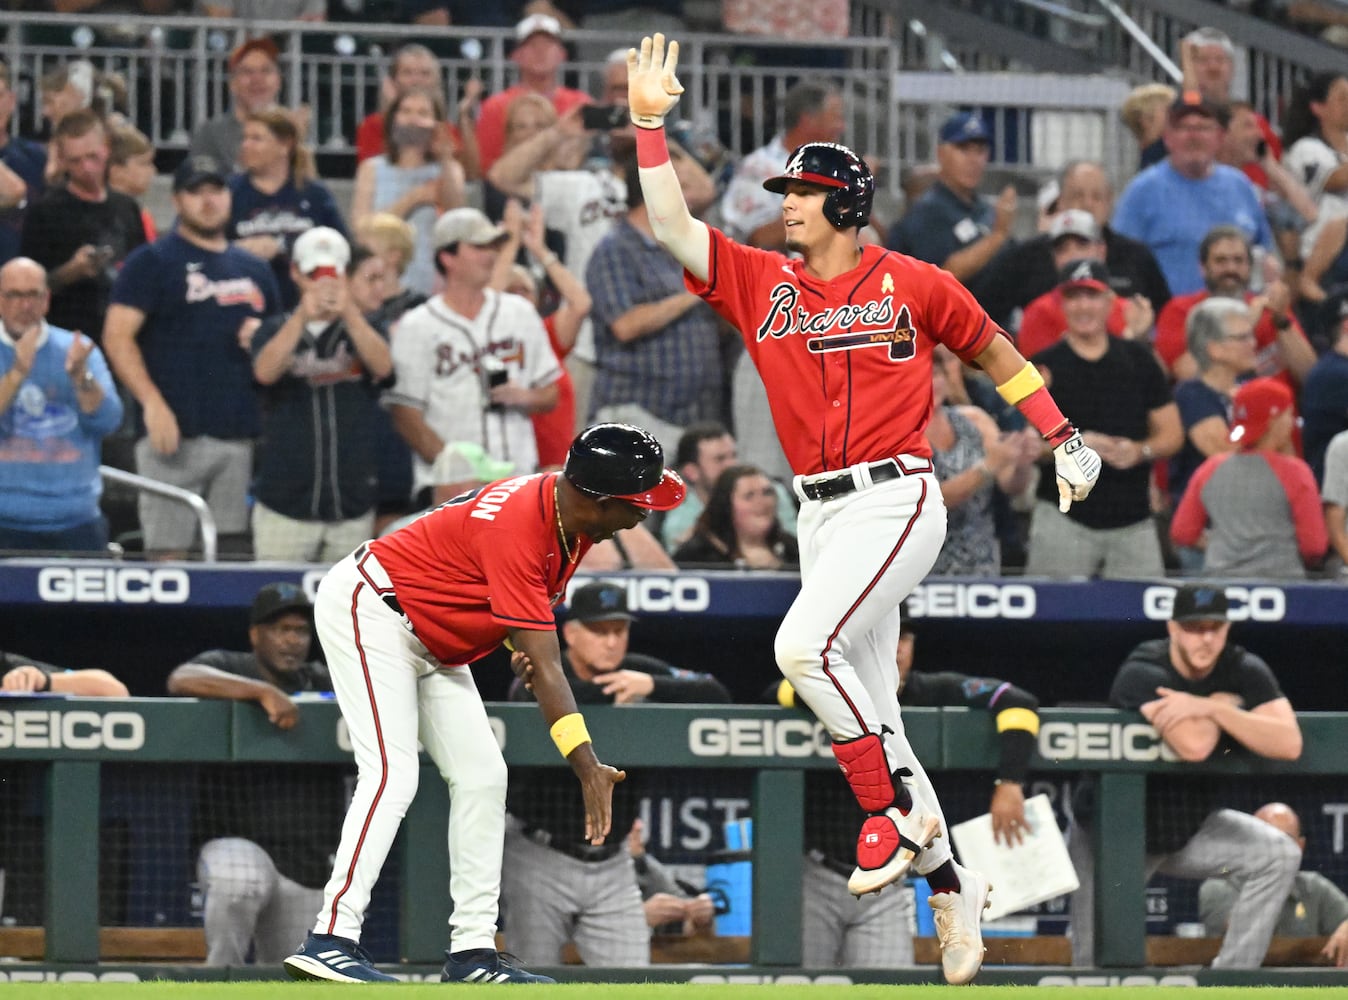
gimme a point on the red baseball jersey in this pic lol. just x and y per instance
(1172, 336)
(847, 362)
(480, 564)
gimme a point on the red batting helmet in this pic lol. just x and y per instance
(832, 166)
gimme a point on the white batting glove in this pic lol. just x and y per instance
(652, 87)
(1078, 467)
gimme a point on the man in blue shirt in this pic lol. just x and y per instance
(951, 225)
(22, 165)
(57, 402)
(1173, 204)
(184, 309)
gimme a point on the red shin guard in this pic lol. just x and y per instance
(866, 769)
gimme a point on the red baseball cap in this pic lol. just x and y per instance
(1085, 273)
(1253, 408)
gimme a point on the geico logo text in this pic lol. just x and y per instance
(128, 585)
(1187, 981)
(758, 738)
(1102, 741)
(683, 594)
(972, 600)
(37, 730)
(790, 979)
(1253, 604)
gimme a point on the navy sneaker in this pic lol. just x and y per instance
(333, 959)
(483, 965)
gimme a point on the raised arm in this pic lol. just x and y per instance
(652, 91)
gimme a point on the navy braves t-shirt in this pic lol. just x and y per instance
(194, 301)
(283, 215)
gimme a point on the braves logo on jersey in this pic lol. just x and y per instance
(842, 328)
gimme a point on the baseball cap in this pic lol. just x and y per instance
(538, 24)
(967, 126)
(624, 462)
(465, 225)
(1085, 274)
(1253, 408)
(1191, 102)
(321, 249)
(262, 44)
(1074, 222)
(197, 170)
(599, 601)
(1199, 602)
(276, 599)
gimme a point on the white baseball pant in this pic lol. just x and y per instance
(392, 690)
(248, 902)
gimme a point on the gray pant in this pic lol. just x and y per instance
(218, 470)
(839, 930)
(248, 902)
(1260, 859)
(1059, 546)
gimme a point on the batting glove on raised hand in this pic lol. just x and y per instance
(652, 87)
(1077, 467)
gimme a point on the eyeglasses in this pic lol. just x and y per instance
(1202, 627)
(17, 295)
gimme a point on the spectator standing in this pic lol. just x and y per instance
(1114, 390)
(416, 178)
(1172, 205)
(1205, 695)
(812, 111)
(1334, 493)
(472, 364)
(394, 240)
(1316, 130)
(1324, 396)
(952, 225)
(81, 231)
(261, 872)
(320, 368)
(1257, 508)
(23, 165)
(277, 195)
(254, 85)
(555, 886)
(131, 170)
(57, 403)
(739, 527)
(1144, 112)
(658, 345)
(23, 673)
(538, 55)
(177, 331)
(1315, 907)
(414, 67)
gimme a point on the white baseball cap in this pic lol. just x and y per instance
(1074, 222)
(465, 225)
(321, 247)
(538, 24)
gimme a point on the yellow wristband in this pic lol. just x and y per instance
(1024, 383)
(1018, 718)
(569, 732)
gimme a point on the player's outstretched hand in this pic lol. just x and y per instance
(652, 87)
(1078, 467)
(596, 784)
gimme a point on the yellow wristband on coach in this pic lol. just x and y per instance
(1024, 383)
(569, 732)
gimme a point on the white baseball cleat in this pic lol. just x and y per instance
(958, 916)
(887, 845)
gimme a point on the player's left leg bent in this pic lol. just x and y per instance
(236, 879)
(457, 734)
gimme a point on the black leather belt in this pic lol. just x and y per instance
(579, 851)
(832, 864)
(842, 483)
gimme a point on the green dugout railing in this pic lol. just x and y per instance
(75, 736)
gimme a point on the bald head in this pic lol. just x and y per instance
(23, 267)
(23, 296)
(1284, 817)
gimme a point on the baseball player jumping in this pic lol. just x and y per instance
(401, 617)
(843, 339)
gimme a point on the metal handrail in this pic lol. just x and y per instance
(1143, 40)
(209, 535)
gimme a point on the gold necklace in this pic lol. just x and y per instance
(561, 532)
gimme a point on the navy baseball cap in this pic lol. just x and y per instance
(198, 170)
(599, 601)
(275, 599)
(967, 126)
(1199, 602)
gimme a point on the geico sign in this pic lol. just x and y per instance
(1102, 741)
(758, 738)
(661, 593)
(80, 730)
(790, 979)
(1096, 981)
(1255, 604)
(127, 585)
(972, 600)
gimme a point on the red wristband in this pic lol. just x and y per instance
(1041, 411)
(652, 149)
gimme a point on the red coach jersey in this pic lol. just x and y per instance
(847, 362)
(479, 564)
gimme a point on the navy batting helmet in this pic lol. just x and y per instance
(622, 461)
(832, 166)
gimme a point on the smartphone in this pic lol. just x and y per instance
(603, 117)
(495, 377)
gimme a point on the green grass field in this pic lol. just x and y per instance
(653, 991)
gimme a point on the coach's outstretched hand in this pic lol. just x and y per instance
(1078, 467)
(652, 87)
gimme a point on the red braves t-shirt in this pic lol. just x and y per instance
(1172, 339)
(479, 564)
(847, 362)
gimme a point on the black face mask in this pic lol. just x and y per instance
(412, 135)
